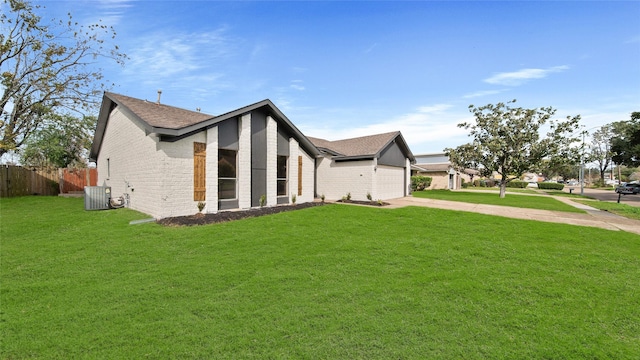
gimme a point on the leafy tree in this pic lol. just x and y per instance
(625, 144)
(507, 140)
(46, 68)
(62, 141)
(564, 168)
(600, 149)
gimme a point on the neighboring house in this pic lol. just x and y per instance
(443, 174)
(166, 160)
(376, 165)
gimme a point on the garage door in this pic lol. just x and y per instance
(389, 182)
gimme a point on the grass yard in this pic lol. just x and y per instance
(628, 211)
(329, 282)
(496, 189)
(511, 199)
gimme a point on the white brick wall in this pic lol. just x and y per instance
(308, 177)
(272, 161)
(293, 169)
(336, 179)
(134, 165)
(177, 176)
(244, 163)
(212, 170)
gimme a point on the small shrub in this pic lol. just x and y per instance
(348, 196)
(419, 183)
(263, 200)
(369, 196)
(322, 198)
(293, 199)
(201, 206)
(464, 184)
(380, 202)
(484, 183)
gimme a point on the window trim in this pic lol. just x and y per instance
(285, 179)
(235, 179)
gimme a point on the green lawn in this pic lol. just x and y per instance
(328, 282)
(511, 199)
(628, 211)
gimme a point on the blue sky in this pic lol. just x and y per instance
(354, 68)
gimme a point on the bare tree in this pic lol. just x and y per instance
(47, 68)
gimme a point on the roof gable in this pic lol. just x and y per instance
(172, 123)
(364, 146)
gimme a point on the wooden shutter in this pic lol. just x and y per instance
(299, 175)
(199, 171)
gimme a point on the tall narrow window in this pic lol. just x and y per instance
(199, 171)
(282, 175)
(227, 174)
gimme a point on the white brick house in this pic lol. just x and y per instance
(167, 159)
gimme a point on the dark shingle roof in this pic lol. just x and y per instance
(171, 123)
(160, 115)
(360, 146)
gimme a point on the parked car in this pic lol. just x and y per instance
(630, 188)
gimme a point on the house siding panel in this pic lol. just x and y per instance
(392, 156)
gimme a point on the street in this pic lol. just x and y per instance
(606, 195)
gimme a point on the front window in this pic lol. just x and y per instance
(282, 175)
(227, 174)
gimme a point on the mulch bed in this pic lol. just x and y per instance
(223, 216)
(360, 202)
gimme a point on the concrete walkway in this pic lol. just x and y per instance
(593, 217)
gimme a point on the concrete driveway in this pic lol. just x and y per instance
(606, 195)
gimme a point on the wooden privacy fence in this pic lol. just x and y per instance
(19, 181)
(74, 180)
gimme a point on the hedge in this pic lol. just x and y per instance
(550, 186)
(517, 184)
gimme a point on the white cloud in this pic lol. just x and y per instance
(159, 56)
(370, 48)
(297, 85)
(482, 93)
(521, 76)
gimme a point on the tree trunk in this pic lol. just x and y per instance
(503, 188)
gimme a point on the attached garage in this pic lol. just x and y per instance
(376, 165)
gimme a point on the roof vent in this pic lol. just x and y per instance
(198, 109)
(159, 94)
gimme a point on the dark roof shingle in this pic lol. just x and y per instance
(160, 115)
(360, 146)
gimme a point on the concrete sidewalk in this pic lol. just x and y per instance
(593, 217)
